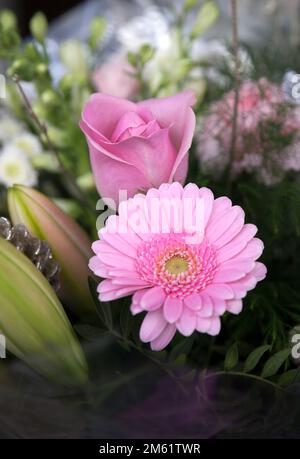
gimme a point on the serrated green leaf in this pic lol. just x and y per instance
(254, 357)
(232, 357)
(274, 363)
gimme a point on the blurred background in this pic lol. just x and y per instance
(258, 19)
(269, 35)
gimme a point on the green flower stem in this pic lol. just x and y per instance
(74, 189)
(147, 355)
(245, 375)
(235, 51)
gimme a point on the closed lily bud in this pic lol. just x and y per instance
(69, 244)
(34, 323)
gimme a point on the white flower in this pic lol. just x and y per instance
(15, 168)
(9, 127)
(27, 143)
(74, 56)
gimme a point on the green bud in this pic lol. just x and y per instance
(66, 82)
(205, 18)
(34, 323)
(189, 4)
(49, 97)
(146, 53)
(8, 20)
(40, 110)
(97, 29)
(74, 55)
(86, 181)
(39, 26)
(45, 161)
(41, 69)
(181, 70)
(58, 136)
(22, 68)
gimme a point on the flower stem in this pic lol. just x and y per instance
(234, 28)
(73, 187)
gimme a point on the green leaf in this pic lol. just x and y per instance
(89, 332)
(274, 363)
(232, 357)
(126, 321)
(183, 347)
(254, 357)
(132, 59)
(289, 377)
(146, 53)
(97, 29)
(104, 312)
(103, 309)
(205, 18)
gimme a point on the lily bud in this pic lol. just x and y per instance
(69, 243)
(34, 323)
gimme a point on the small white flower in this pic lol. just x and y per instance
(27, 143)
(15, 168)
(9, 128)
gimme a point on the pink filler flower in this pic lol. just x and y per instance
(180, 285)
(262, 109)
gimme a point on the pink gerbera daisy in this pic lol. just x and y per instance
(182, 283)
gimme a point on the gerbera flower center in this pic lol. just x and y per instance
(177, 265)
(179, 268)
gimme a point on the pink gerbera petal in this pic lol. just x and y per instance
(152, 326)
(172, 309)
(164, 338)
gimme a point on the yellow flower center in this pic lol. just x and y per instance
(12, 170)
(177, 265)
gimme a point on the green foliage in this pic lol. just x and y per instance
(39, 26)
(97, 30)
(274, 363)
(255, 356)
(206, 17)
(231, 357)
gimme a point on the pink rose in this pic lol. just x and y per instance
(114, 78)
(137, 146)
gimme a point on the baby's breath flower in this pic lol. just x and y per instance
(15, 168)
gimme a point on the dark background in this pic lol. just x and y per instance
(26, 8)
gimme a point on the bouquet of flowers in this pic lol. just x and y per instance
(183, 168)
